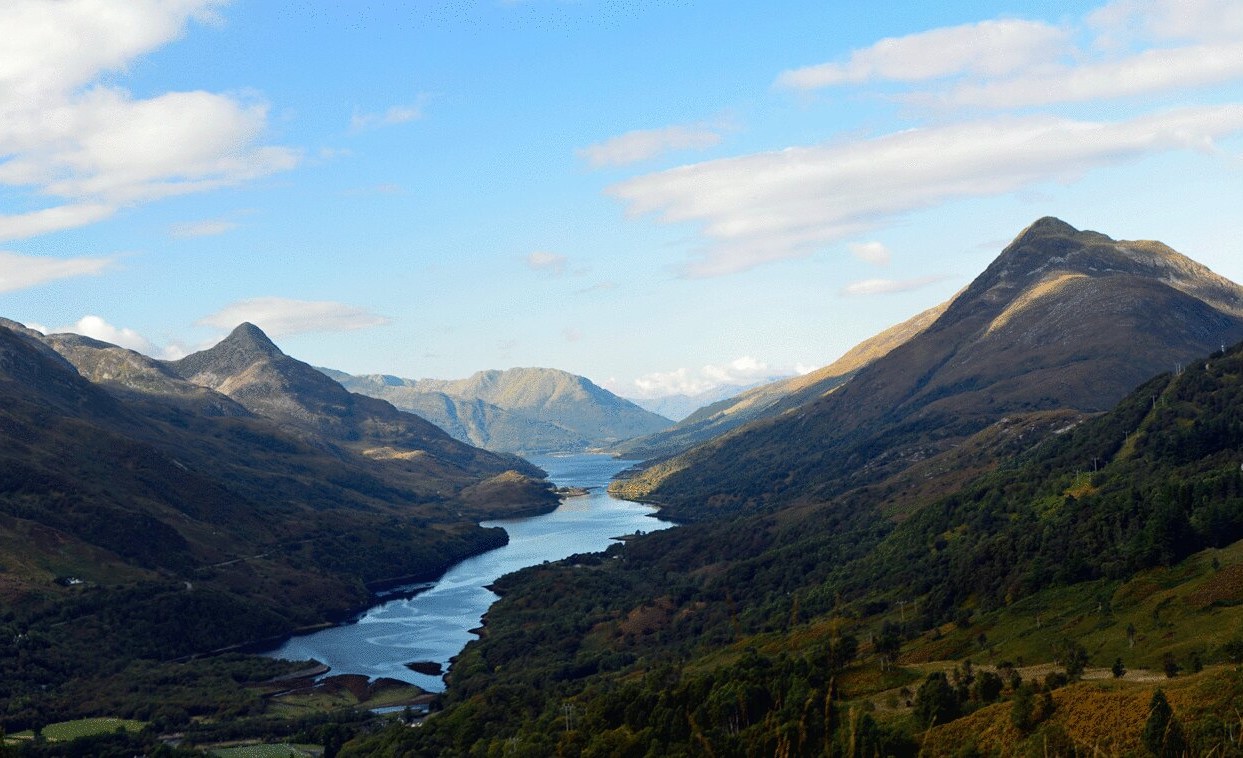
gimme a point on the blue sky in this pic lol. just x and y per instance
(661, 195)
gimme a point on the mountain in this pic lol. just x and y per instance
(1062, 320)
(521, 410)
(1110, 552)
(680, 405)
(772, 399)
(248, 368)
(135, 507)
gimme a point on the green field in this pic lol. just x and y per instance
(72, 730)
(268, 751)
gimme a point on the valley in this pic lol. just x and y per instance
(1007, 525)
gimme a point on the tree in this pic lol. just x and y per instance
(1170, 665)
(1022, 709)
(1073, 658)
(1118, 669)
(935, 702)
(1163, 734)
(988, 687)
(888, 645)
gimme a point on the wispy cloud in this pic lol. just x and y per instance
(642, 145)
(870, 252)
(204, 228)
(1136, 49)
(280, 316)
(888, 286)
(19, 272)
(989, 48)
(990, 89)
(397, 114)
(552, 263)
(88, 148)
(787, 204)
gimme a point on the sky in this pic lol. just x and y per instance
(661, 195)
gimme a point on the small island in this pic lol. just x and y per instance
(429, 668)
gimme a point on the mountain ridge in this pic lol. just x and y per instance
(519, 410)
(1099, 316)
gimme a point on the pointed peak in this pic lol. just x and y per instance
(1051, 225)
(249, 337)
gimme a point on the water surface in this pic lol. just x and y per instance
(434, 624)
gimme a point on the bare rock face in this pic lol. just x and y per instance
(1062, 320)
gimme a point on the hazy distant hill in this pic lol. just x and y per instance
(678, 406)
(769, 400)
(522, 410)
(1063, 319)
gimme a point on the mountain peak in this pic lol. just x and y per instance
(250, 338)
(1047, 226)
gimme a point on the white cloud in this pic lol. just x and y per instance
(282, 316)
(55, 219)
(989, 48)
(398, 114)
(1015, 63)
(1146, 73)
(87, 148)
(1125, 20)
(205, 228)
(636, 146)
(18, 272)
(888, 286)
(683, 381)
(542, 260)
(787, 204)
(97, 328)
(870, 252)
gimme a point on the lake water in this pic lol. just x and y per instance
(434, 624)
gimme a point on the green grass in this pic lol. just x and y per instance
(1188, 608)
(268, 751)
(72, 730)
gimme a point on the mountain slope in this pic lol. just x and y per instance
(248, 368)
(471, 420)
(1062, 319)
(808, 629)
(144, 479)
(770, 400)
(517, 410)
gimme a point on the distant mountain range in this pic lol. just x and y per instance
(771, 399)
(1063, 320)
(521, 410)
(680, 405)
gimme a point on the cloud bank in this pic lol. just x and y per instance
(280, 317)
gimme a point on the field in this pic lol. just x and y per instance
(72, 730)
